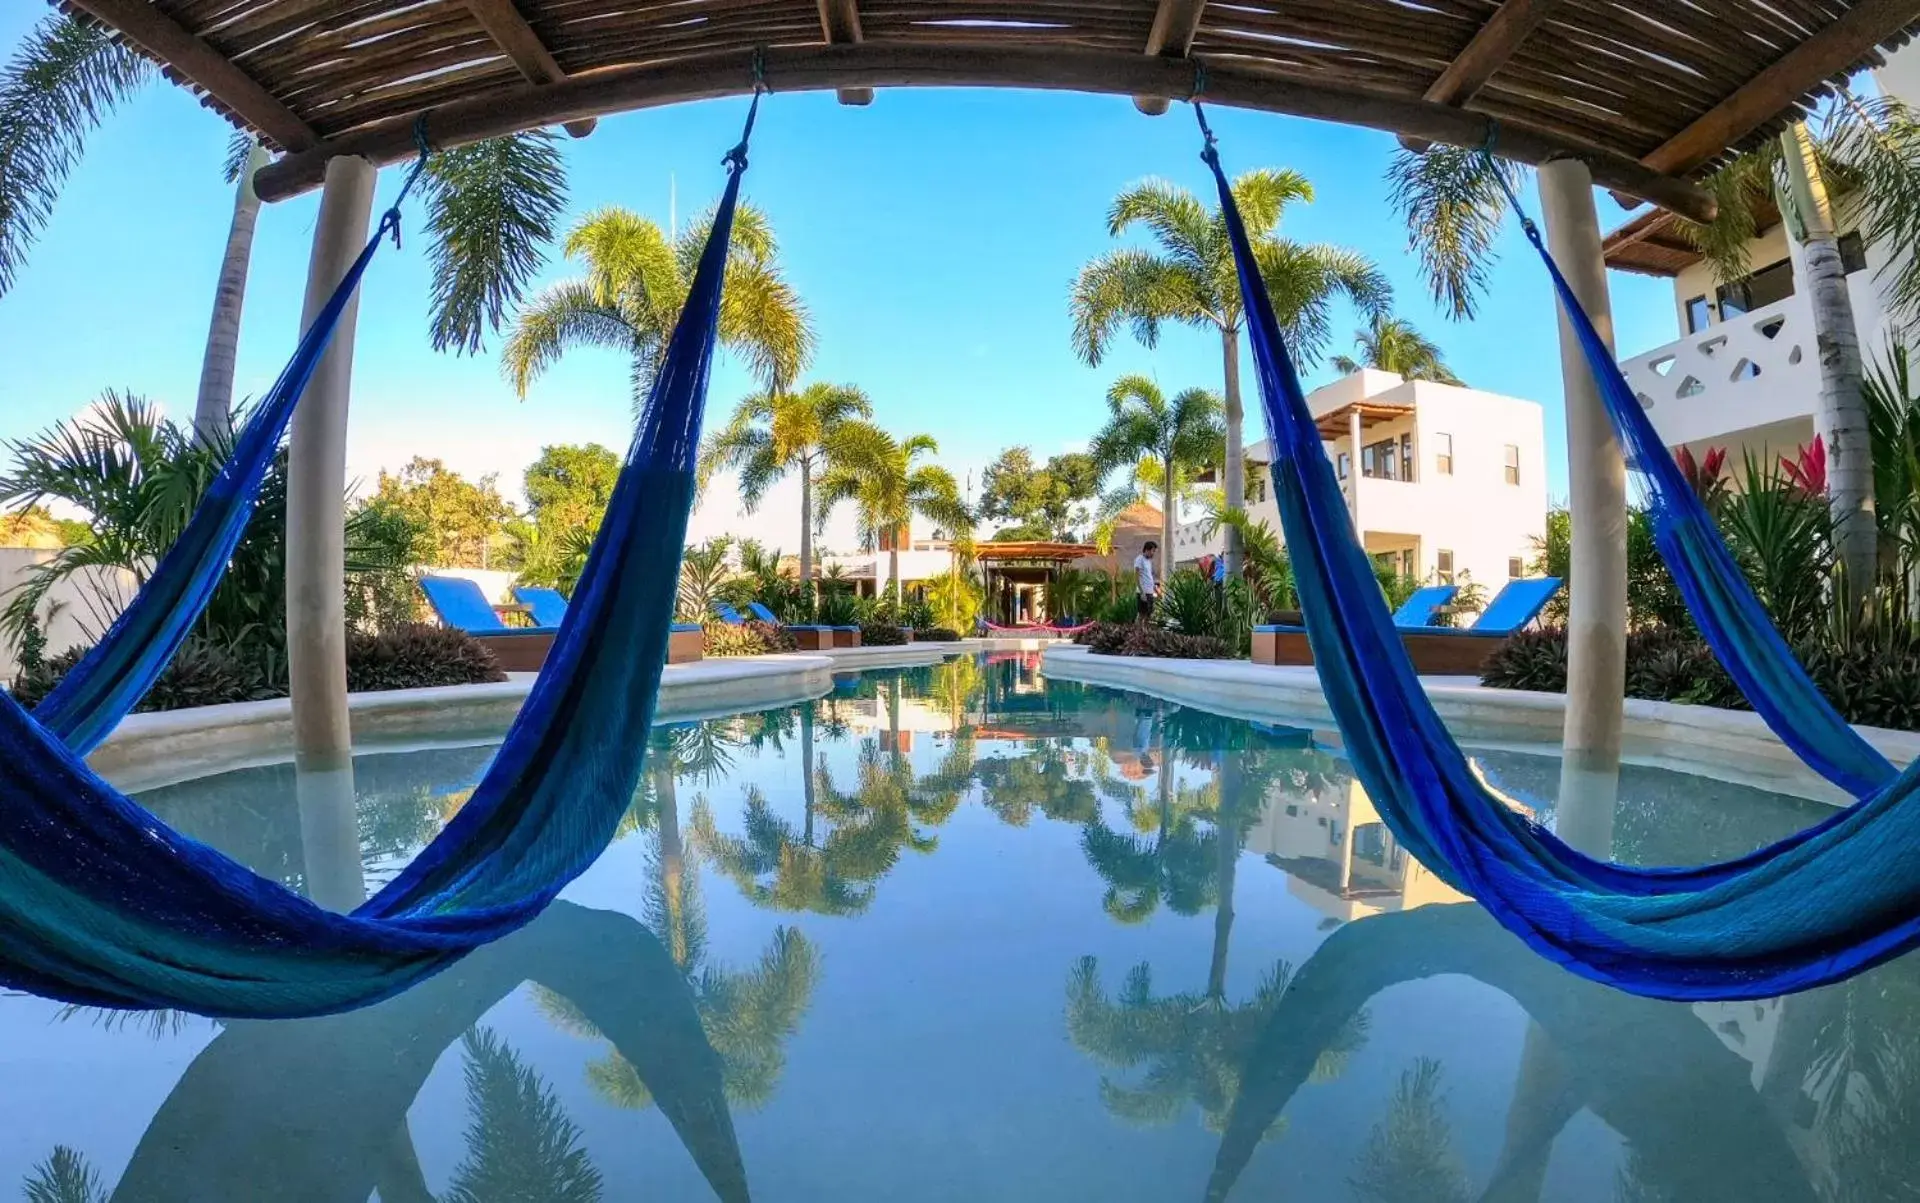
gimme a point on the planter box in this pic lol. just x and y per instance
(686, 643)
(516, 653)
(845, 637)
(1461, 653)
(812, 638)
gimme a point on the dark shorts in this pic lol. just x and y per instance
(1146, 606)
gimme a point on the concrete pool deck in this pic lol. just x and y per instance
(1729, 745)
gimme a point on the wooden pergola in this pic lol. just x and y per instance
(1642, 97)
(1005, 565)
(1648, 93)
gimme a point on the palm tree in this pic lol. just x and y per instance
(1180, 436)
(520, 1142)
(635, 285)
(64, 1177)
(771, 434)
(1189, 277)
(1409, 1157)
(1391, 344)
(880, 475)
(1194, 1048)
(491, 206)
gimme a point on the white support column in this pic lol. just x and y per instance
(1597, 621)
(1353, 474)
(316, 489)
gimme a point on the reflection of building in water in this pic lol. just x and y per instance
(1338, 856)
(1749, 1028)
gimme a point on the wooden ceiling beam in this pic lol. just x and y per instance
(516, 38)
(1767, 95)
(840, 22)
(144, 25)
(963, 65)
(1175, 22)
(1484, 54)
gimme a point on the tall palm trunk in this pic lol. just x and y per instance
(893, 566)
(673, 868)
(1234, 481)
(1166, 520)
(213, 409)
(806, 758)
(1228, 866)
(1841, 419)
(806, 534)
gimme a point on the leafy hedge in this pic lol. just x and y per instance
(933, 635)
(1140, 639)
(1875, 681)
(203, 673)
(748, 639)
(881, 634)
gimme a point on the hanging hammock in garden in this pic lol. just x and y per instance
(109, 681)
(102, 904)
(1812, 909)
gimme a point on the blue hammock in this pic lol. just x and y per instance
(109, 681)
(102, 904)
(1813, 909)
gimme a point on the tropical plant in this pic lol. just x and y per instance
(703, 570)
(1409, 1155)
(1269, 570)
(520, 1142)
(1391, 344)
(776, 432)
(1893, 420)
(456, 522)
(635, 284)
(1180, 435)
(1192, 1048)
(139, 478)
(881, 475)
(490, 206)
(1781, 534)
(1189, 277)
(1188, 605)
(64, 1177)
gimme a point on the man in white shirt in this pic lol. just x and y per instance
(1143, 574)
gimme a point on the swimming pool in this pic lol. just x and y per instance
(1010, 939)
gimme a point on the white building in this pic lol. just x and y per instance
(1446, 480)
(1745, 374)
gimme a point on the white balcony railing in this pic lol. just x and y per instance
(1746, 371)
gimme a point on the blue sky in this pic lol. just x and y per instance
(933, 235)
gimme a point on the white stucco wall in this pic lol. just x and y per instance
(78, 609)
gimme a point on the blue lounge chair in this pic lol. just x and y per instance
(545, 606)
(1436, 651)
(728, 614)
(460, 604)
(762, 613)
(1419, 608)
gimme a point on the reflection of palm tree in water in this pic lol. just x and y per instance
(1409, 1157)
(520, 1143)
(748, 1015)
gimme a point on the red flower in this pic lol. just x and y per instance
(1702, 476)
(1807, 470)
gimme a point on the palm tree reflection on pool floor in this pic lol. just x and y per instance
(966, 932)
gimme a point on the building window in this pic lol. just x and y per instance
(1514, 568)
(1342, 463)
(1406, 562)
(1381, 460)
(1771, 283)
(1699, 314)
(1853, 252)
(1406, 456)
(1513, 464)
(1443, 455)
(1443, 565)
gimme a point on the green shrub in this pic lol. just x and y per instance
(935, 635)
(882, 634)
(1142, 639)
(1122, 609)
(837, 608)
(1535, 660)
(747, 639)
(1188, 604)
(417, 656)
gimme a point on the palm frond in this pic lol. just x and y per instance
(1451, 201)
(1878, 141)
(1264, 194)
(1737, 188)
(1128, 287)
(491, 209)
(1178, 221)
(240, 148)
(763, 320)
(567, 315)
(65, 76)
(64, 1177)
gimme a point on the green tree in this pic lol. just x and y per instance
(520, 1142)
(635, 284)
(490, 206)
(1046, 501)
(1189, 277)
(1409, 1157)
(456, 521)
(881, 475)
(774, 433)
(64, 1177)
(1179, 435)
(567, 489)
(1391, 344)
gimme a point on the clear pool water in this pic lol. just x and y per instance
(964, 934)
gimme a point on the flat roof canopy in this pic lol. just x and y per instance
(1032, 552)
(1649, 93)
